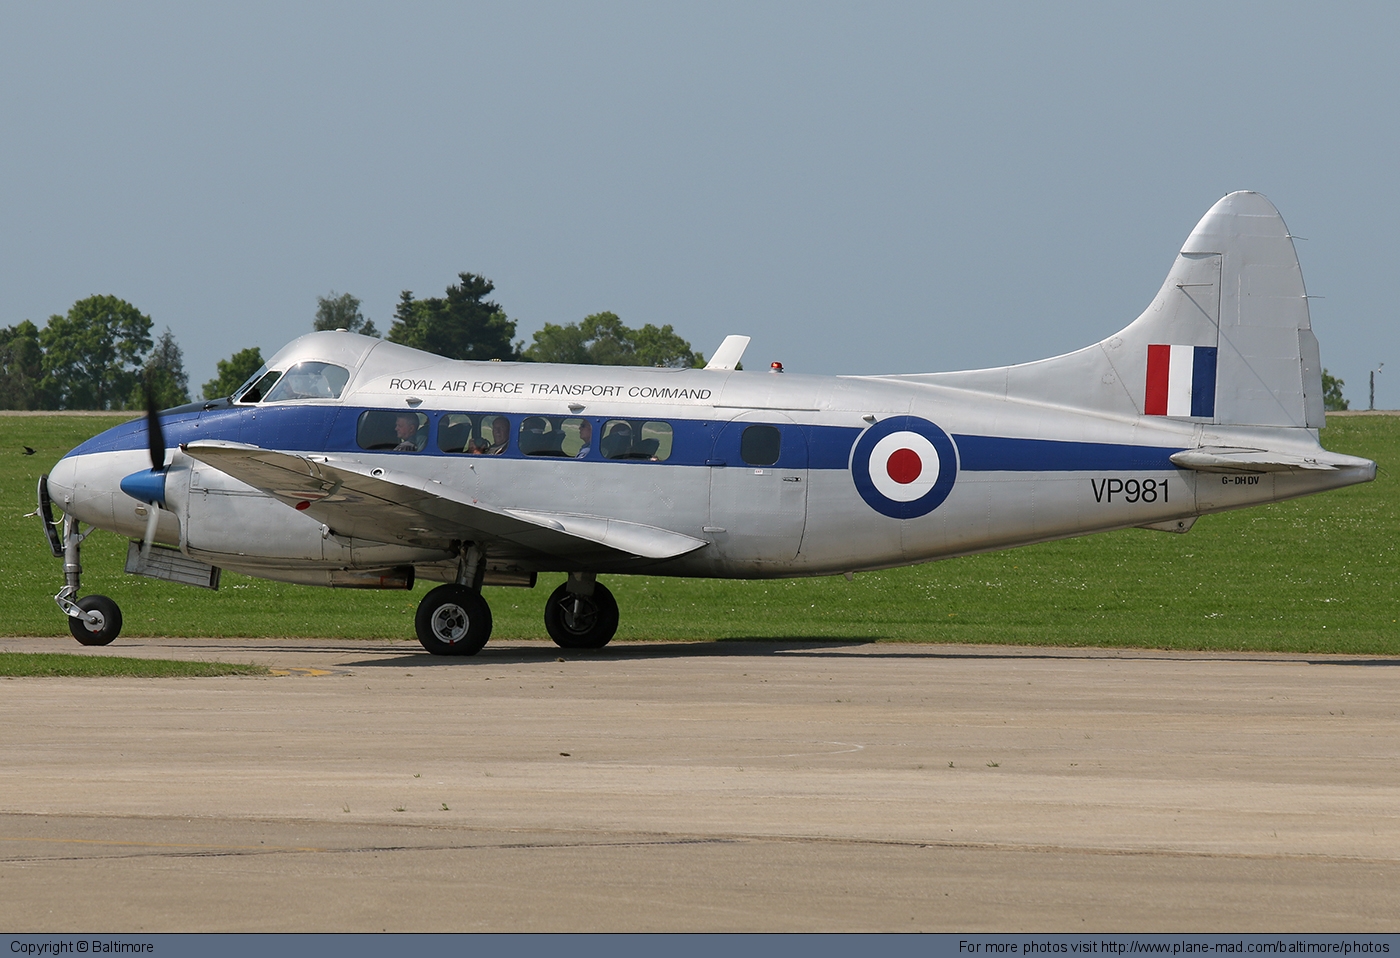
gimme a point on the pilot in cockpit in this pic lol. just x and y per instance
(305, 381)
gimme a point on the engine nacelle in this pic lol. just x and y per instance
(228, 523)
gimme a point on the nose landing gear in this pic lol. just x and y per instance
(93, 619)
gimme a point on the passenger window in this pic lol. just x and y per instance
(309, 381)
(487, 435)
(636, 439)
(397, 431)
(760, 445)
(556, 436)
(578, 438)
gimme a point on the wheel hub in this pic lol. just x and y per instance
(450, 623)
(579, 614)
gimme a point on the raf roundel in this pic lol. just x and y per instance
(904, 467)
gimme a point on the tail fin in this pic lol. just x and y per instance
(1227, 340)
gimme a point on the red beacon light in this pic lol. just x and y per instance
(775, 367)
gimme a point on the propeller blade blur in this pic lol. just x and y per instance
(153, 429)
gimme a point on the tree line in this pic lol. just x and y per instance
(100, 354)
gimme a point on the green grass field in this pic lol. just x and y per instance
(50, 664)
(1311, 575)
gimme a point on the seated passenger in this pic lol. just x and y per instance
(585, 435)
(500, 436)
(406, 428)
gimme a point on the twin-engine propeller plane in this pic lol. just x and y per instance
(351, 462)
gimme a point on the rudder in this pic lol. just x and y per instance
(1227, 340)
(1234, 305)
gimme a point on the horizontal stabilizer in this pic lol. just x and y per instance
(1234, 459)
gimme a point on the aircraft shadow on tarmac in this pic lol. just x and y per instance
(505, 654)
(814, 648)
(623, 652)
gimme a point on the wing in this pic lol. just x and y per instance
(385, 506)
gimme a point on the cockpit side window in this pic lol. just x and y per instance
(309, 380)
(257, 385)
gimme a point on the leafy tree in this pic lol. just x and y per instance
(233, 372)
(662, 347)
(461, 325)
(21, 368)
(342, 312)
(92, 356)
(1332, 392)
(603, 340)
(164, 375)
(559, 344)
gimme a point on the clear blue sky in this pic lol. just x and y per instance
(891, 187)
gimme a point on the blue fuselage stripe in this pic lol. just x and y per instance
(331, 429)
(998, 454)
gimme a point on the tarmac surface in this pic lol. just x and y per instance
(721, 786)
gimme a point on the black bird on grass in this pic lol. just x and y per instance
(28, 451)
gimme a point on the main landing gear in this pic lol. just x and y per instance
(455, 619)
(579, 619)
(93, 619)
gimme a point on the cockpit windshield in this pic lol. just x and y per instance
(309, 380)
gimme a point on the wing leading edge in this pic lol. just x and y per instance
(398, 507)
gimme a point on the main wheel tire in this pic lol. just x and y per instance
(453, 620)
(581, 621)
(107, 627)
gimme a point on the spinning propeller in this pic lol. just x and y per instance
(149, 486)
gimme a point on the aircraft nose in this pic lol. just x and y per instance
(84, 485)
(63, 480)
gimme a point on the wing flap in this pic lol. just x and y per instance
(375, 504)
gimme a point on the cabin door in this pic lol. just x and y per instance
(758, 488)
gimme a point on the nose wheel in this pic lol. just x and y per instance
(102, 624)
